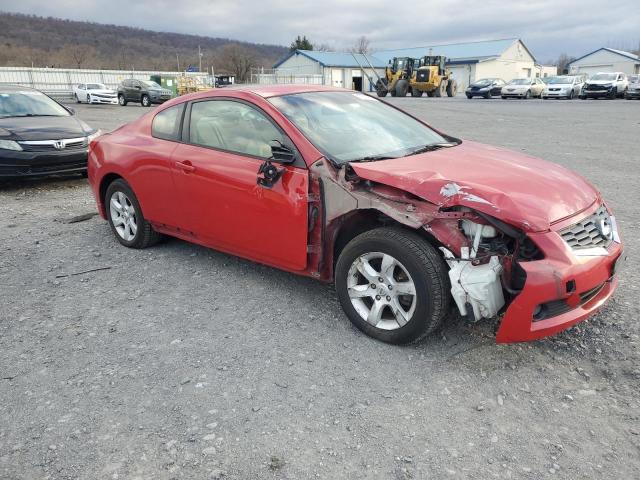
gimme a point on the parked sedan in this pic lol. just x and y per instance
(523, 88)
(565, 86)
(486, 88)
(342, 187)
(95, 93)
(633, 91)
(38, 136)
(144, 92)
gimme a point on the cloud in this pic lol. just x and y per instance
(547, 27)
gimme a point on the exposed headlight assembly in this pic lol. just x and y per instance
(10, 145)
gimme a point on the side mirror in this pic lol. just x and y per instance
(281, 153)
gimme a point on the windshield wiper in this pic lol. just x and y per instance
(430, 148)
(373, 158)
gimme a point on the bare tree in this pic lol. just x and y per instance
(80, 53)
(563, 63)
(236, 59)
(362, 45)
(324, 47)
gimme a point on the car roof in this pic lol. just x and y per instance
(267, 91)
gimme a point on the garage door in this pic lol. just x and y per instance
(590, 70)
(461, 75)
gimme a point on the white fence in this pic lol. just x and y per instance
(59, 82)
(264, 76)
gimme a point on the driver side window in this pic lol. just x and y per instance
(232, 126)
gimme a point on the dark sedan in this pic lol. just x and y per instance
(38, 136)
(487, 88)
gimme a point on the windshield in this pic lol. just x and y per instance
(520, 81)
(352, 126)
(604, 76)
(483, 83)
(29, 103)
(560, 80)
(151, 84)
(96, 86)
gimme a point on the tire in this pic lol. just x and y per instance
(570, 97)
(89, 99)
(416, 260)
(527, 95)
(487, 95)
(393, 92)
(416, 93)
(402, 88)
(122, 101)
(431, 93)
(145, 101)
(441, 90)
(452, 88)
(471, 96)
(381, 88)
(77, 99)
(144, 235)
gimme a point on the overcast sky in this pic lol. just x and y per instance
(547, 27)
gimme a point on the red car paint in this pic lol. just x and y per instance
(211, 197)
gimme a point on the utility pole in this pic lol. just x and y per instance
(178, 60)
(200, 59)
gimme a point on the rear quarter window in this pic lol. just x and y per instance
(166, 124)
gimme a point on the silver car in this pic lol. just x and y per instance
(564, 86)
(523, 88)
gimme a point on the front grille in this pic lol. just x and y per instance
(593, 231)
(104, 95)
(558, 307)
(50, 147)
(422, 76)
(596, 87)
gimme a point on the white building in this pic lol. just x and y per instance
(507, 59)
(606, 60)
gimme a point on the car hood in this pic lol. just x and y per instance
(524, 191)
(42, 128)
(558, 85)
(518, 87)
(600, 82)
(103, 92)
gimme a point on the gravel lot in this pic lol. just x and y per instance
(182, 362)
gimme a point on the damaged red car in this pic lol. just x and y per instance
(407, 221)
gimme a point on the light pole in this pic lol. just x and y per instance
(200, 58)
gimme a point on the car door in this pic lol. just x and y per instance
(136, 90)
(225, 141)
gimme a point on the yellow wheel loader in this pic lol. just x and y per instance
(397, 77)
(431, 76)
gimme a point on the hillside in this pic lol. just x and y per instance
(27, 40)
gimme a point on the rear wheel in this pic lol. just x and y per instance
(402, 88)
(145, 101)
(393, 285)
(471, 96)
(125, 217)
(415, 92)
(121, 100)
(452, 88)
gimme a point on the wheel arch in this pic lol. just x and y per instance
(106, 180)
(354, 223)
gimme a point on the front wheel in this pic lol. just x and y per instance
(527, 95)
(125, 217)
(415, 92)
(393, 285)
(402, 88)
(77, 99)
(122, 101)
(145, 101)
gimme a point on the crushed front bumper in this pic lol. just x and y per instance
(576, 287)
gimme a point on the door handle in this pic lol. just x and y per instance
(186, 166)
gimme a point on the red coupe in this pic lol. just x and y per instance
(340, 186)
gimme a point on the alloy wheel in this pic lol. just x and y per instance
(381, 290)
(123, 216)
